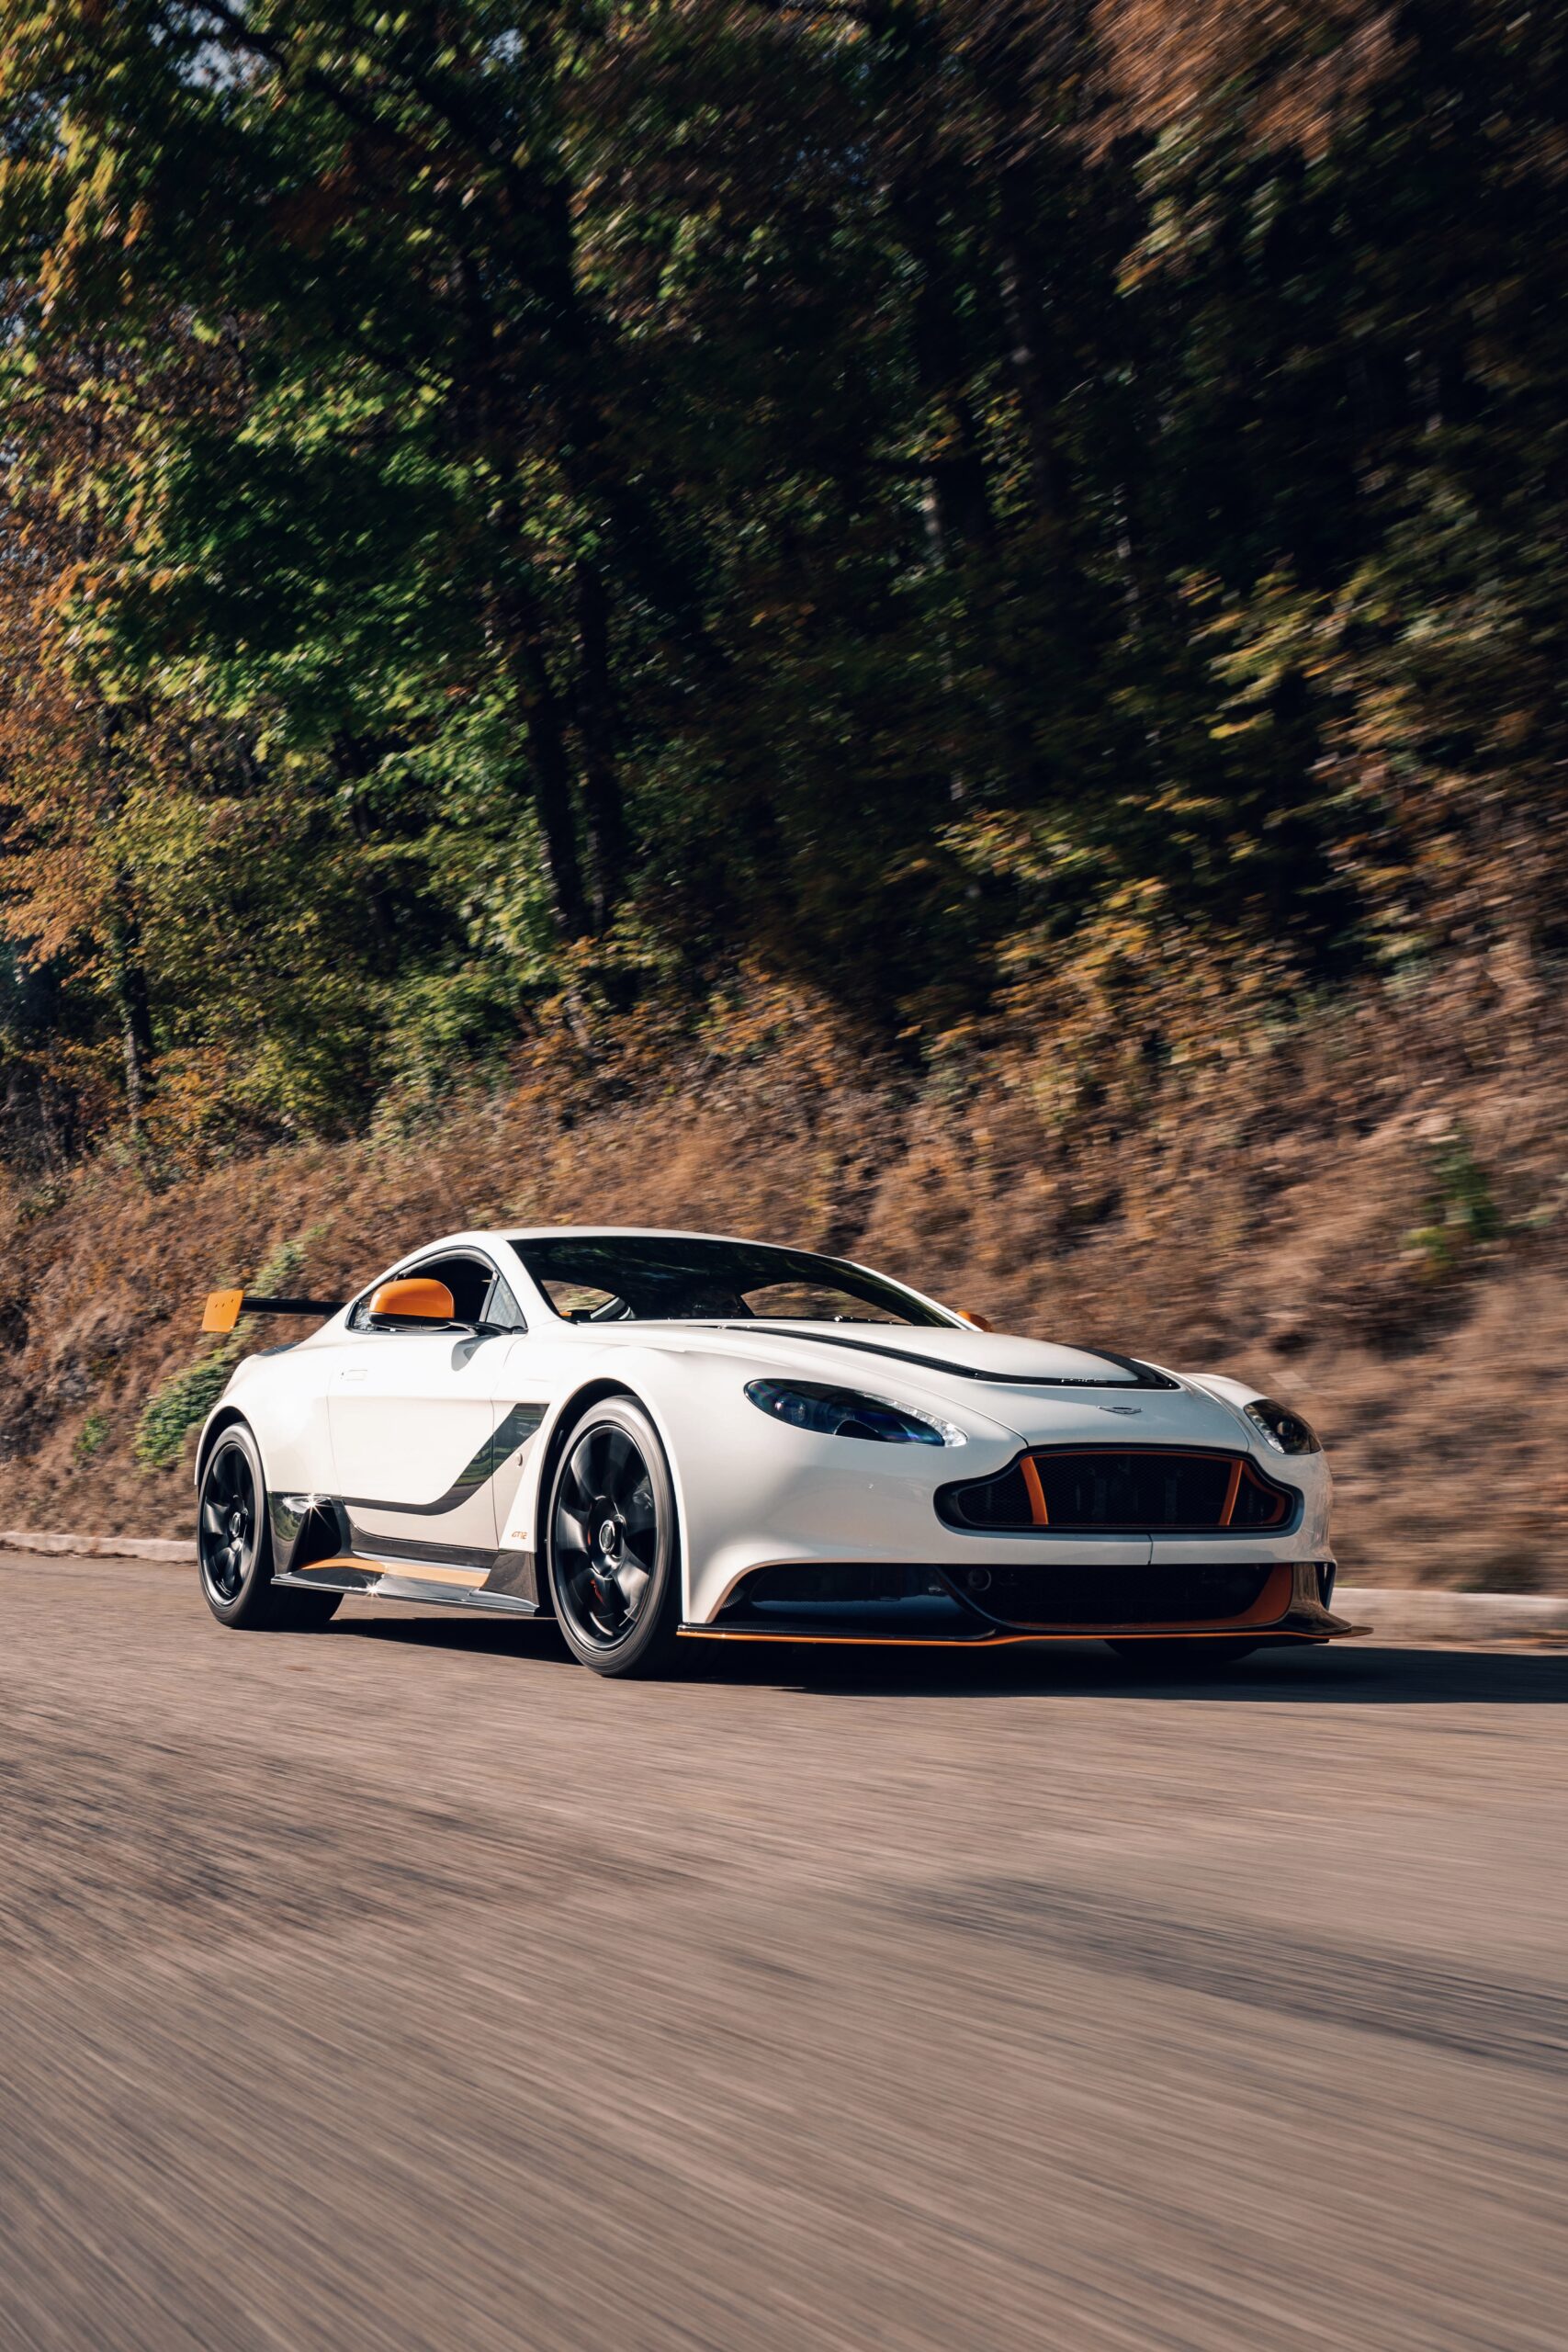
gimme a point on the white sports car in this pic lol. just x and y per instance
(652, 1435)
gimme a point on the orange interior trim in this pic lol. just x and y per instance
(1038, 1511)
(222, 1309)
(416, 1299)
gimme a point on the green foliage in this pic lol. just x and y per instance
(511, 512)
(181, 1405)
(1462, 1213)
(185, 1399)
(90, 1437)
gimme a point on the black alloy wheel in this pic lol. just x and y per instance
(614, 1565)
(234, 1544)
(227, 1532)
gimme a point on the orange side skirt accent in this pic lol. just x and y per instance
(411, 1571)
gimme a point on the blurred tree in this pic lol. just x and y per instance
(952, 502)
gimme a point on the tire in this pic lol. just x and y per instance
(1183, 1661)
(233, 1545)
(614, 1554)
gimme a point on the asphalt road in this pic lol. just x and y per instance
(406, 1985)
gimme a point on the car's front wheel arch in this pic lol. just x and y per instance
(593, 1392)
(612, 1569)
(223, 1418)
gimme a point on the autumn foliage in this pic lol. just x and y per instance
(535, 529)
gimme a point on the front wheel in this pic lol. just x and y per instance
(614, 1565)
(233, 1544)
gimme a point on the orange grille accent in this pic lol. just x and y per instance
(1133, 1489)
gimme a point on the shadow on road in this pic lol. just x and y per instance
(1338, 1677)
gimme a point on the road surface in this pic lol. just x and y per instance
(404, 1986)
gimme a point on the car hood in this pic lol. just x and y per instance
(1037, 1389)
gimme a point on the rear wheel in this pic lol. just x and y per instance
(614, 1565)
(234, 1544)
(1181, 1661)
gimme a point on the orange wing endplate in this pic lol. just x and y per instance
(222, 1309)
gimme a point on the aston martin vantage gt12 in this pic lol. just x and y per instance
(653, 1436)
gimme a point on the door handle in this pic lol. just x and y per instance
(356, 1374)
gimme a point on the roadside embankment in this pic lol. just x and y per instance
(1367, 1217)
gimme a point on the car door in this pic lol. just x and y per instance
(414, 1417)
(538, 1370)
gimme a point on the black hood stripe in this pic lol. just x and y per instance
(1143, 1376)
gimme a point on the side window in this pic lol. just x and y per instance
(479, 1294)
(503, 1309)
(582, 1302)
(468, 1279)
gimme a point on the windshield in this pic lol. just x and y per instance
(658, 1277)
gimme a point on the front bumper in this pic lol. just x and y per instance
(1264, 1602)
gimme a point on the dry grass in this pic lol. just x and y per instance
(1364, 1214)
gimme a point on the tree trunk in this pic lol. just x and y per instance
(1026, 338)
(602, 805)
(545, 719)
(519, 631)
(129, 979)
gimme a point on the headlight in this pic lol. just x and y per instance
(1285, 1431)
(845, 1413)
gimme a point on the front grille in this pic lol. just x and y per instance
(1141, 1490)
(1031, 1595)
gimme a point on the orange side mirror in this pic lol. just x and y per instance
(980, 1322)
(416, 1300)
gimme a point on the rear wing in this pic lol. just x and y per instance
(225, 1307)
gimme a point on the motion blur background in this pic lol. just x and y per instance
(937, 628)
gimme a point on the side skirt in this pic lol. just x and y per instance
(430, 1583)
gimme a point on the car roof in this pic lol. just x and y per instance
(486, 1239)
(488, 1236)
